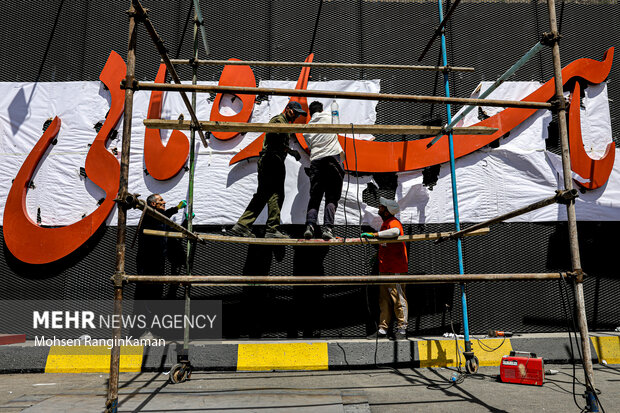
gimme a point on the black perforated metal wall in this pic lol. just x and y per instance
(68, 40)
(343, 311)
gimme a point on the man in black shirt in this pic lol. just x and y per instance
(151, 257)
(153, 250)
(271, 174)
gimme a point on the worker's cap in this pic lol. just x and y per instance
(296, 107)
(390, 204)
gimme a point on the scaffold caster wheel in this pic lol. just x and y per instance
(471, 365)
(179, 373)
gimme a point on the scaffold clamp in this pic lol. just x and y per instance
(558, 104)
(119, 278)
(566, 197)
(130, 82)
(577, 275)
(550, 38)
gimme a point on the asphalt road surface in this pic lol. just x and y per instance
(376, 390)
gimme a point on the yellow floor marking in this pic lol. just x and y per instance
(91, 359)
(607, 348)
(441, 353)
(282, 356)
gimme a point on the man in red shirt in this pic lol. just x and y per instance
(392, 260)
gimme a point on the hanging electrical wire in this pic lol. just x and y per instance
(316, 25)
(432, 108)
(189, 14)
(561, 17)
(569, 312)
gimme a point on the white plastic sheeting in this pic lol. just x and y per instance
(490, 181)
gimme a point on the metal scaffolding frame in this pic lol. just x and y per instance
(137, 14)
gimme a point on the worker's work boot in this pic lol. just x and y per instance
(400, 334)
(239, 230)
(380, 334)
(274, 233)
(328, 233)
(309, 231)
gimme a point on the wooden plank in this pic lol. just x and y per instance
(320, 64)
(335, 94)
(313, 242)
(315, 128)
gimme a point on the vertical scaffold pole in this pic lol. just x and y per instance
(112, 398)
(471, 364)
(571, 215)
(190, 190)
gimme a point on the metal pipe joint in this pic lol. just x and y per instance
(132, 81)
(558, 104)
(550, 38)
(578, 275)
(565, 197)
(119, 279)
(128, 201)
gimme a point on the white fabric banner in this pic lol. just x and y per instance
(490, 181)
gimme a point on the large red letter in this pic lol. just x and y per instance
(233, 75)
(33, 244)
(255, 147)
(596, 171)
(163, 162)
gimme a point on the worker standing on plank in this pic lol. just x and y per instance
(392, 260)
(326, 174)
(271, 174)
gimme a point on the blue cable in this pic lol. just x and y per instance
(453, 177)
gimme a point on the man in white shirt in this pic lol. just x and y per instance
(326, 174)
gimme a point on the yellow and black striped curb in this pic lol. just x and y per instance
(297, 355)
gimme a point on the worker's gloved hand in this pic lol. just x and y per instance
(295, 154)
(182, 204)
(185, 215)
(367, 235)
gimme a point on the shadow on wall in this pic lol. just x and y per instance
(53, 269)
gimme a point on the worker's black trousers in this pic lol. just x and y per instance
(326, 175)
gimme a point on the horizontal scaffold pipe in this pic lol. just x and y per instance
(167, 87)
(314, 128)
(254, 280)
(319, 64)
(313, 242)
(561, 197)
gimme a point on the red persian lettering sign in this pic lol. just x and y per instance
(33, 244)
(372, 156)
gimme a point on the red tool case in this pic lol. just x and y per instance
(523, 368)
